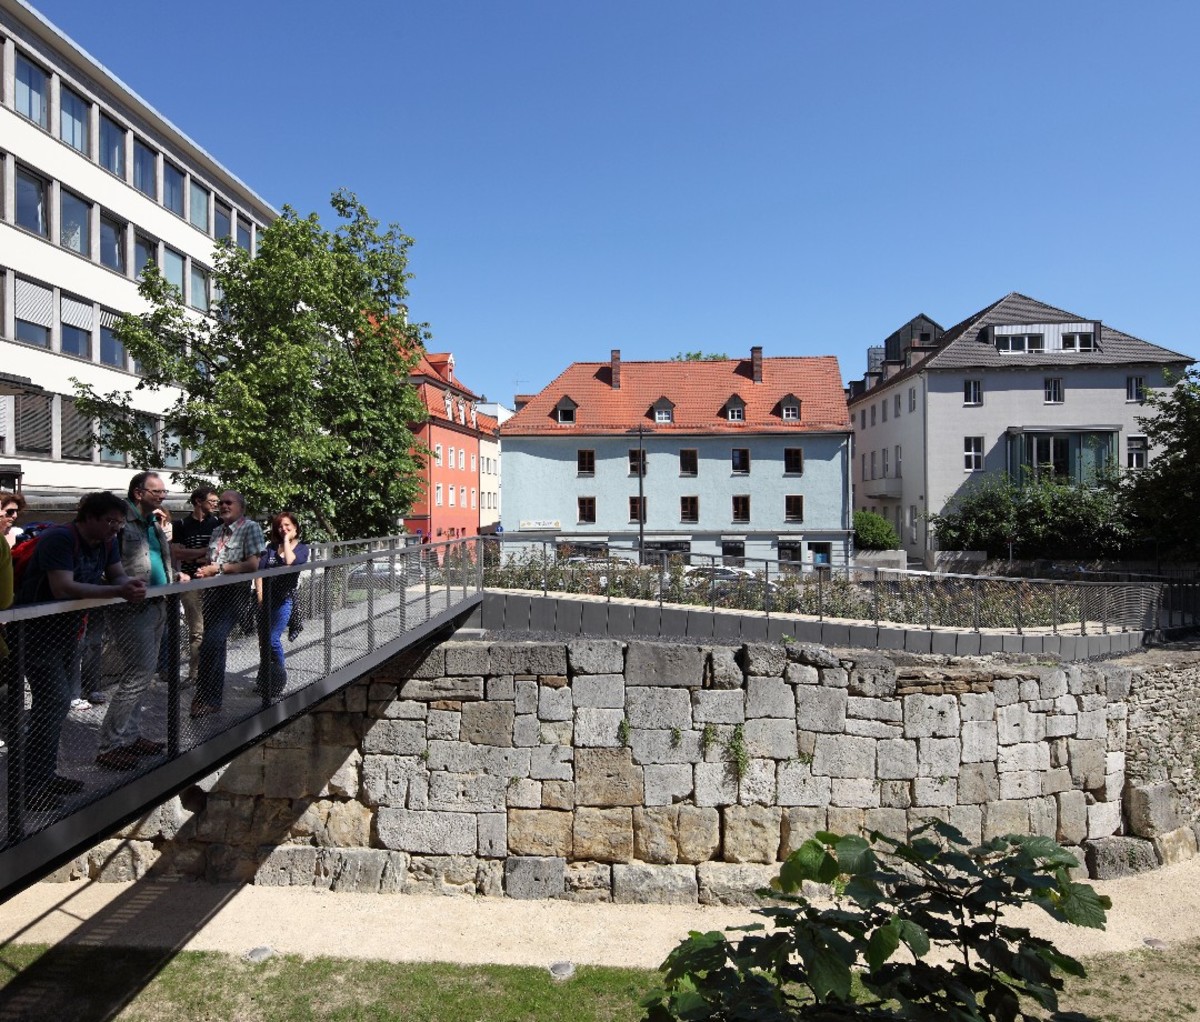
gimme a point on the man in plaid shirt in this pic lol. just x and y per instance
(234, 549)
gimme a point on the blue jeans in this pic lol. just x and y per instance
(222, 607)
(137, 637)
(272, 622)
(50, 654)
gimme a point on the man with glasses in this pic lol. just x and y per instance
(188, 546)
(137, 630)
(71, 562)
(234, 549)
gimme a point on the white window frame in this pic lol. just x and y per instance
(1135, 390)
(663, 415)
(972, 393)
(791, 413)
(437, 455)
(1137, 452)
(437, 495)
(736, 413)
(972, 454)
(1052, 390)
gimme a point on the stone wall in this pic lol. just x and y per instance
(640, 771)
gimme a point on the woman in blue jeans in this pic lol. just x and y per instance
(275, 596)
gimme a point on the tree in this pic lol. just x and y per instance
(295, 389)
(874, 532)
(699, 356)
(1164, 498)
(1040, 518)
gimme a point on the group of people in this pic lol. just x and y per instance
(126, 547)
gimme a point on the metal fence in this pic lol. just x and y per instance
(879, 595)
(96, 693)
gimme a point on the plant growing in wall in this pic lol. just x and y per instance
(736, 754)
(934, 894)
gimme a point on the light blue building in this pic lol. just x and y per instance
(743, 458)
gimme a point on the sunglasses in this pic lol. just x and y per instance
(227, 503)
(11, 512)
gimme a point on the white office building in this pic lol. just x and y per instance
(96, 183)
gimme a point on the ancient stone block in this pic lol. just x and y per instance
(1020, 784)
(1024, 756)
(969, 820)
(528, 658)
(931, 716)
(978, 784)
(1104, 819)
(446, 725)
(443, 874)
(1043, 816)
(752, 833)
(860, 792)
(551, 763)
(598, 728)
(1016, 723)
(797, 826)
(558, 794)
(1087, 761)
(529, 877)
(1072, 817)
(935, 791)
(938, 757)
(640, 884)
(607, 777)
(364, 870)
(1005, 817)
(466, 793)
(1062, 725)
(769, 697)
(977, 706)
(722, 670)
(118, 861)
(539, 832)
(874, 729)
(603, 835)
(588, 882)
(896, 759)
(821, 709)
(802, 674)
(467, 658)
(385, 779)
(287, 866)
(1092, 724)
(812, 654)
(648, 663)
(500, 688)
(729, 883)
(796, 785)
(872, 675)
(768, 738)
(867, 708)
(979, 741)
(434, 689)
(1152, 809)
(487, 723)
(757, 784)
(555, 703)
(720, 707)
(1174, 846)
(845, 820)
(599, 691)
(286, 774)
(461, 758)
(716, 784)
(596, 656)
(1111, 857)
(661, 708)
(891, 822)
(844, 756)
(834, 677)
(667, 783)
(429, 833)
(524, 793)
(895, 794)
(764, 659)
(672, 746)
(526, 695)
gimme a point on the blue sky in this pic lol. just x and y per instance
(673, 175)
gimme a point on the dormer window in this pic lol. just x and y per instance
(789, 408)
(449, 406)
(1017, 344)
(1079, 342)
(735, 409)
(565, 411)
(662, 415)
(664, 411)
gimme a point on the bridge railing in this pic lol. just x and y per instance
(879, 595)
(166, 690)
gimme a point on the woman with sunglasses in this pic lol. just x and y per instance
(283, 549)
(11, 506)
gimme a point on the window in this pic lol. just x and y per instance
(223, 221)
(862, 418)
(112, 351)
(145, 252)
(173, 188)
(1018, 343)
(437, 495)
(243, 234)
(473, 504)
(173, 268)
(1135, 388)
(112, 146)
(472, 462)
(437, 454)
(585, 463)
(741, 508)
(793, 461)
(873, 465)
(896, 411)
(689, 509)
(972, 392)
(566, 414)
(688, 462)
(145, 169)
(31, 203)
(1053, 389)
(451, 489)
(863, 465)
(736, 413)
(462, 496)
(883, 458)
(198, 299)
(873, 407)
(1135, 452)
(74, 228)
(198, 207)
(32, 420)
(662, 414)
(111, 457)
(586, 510)
(883, 409)
(1078, 342)
(637, 460)
(75, 432)
(740, 461)
(637, 509)
(912, 399)
(112, 243)
(34, 307)
(462, 457)
(791, 412)
(73, 119)
(33, 91)
(898, 461)
(76, 320)
(972, 454)
(793, 507)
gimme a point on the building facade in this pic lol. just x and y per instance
(740, 458)
(489, 473)
(1018, 390)
(96, 184)
(448, 506)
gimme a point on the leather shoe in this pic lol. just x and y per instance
(145, 747)
(118, 759)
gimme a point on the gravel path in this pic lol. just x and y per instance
(1163, 906)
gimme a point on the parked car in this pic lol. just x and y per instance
(383, 574)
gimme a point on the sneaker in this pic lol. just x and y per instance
(80, 704)
(97, 698)
(145, 747)
(118, 759)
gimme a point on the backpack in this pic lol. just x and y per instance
(22, 556)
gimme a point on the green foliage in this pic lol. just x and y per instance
(623, 732)
(935, 896)
(736, 753)
(1164, 498)
(708, 738)
(874, 532)
(1042, 518)
(699, 356)
(294, 390)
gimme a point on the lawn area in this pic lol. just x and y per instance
(82, 984)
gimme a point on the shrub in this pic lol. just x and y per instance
(874, 532)
(936, 895)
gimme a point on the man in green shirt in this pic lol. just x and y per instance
(138, 628)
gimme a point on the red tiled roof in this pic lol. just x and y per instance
(699, 391)
(487, 423)
(432, 365)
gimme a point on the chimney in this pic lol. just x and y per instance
(521, 400)
(756, 363)
(615, 366)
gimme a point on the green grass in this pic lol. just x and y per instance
(66, 983)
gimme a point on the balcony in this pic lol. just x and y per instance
(883, 488)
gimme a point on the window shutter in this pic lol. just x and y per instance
(33, 425)
(77, 313)
(34, 303)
